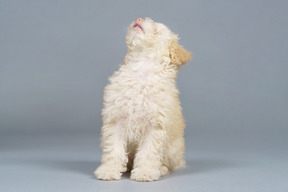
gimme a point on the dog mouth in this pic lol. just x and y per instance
(138, 26)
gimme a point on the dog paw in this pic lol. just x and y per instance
(107, 173)
(164, 170)
(145, 174)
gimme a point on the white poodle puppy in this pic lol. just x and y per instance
(142, 118)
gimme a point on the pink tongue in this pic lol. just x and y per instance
(137, 22)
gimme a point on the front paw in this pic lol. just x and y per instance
(145, 174)
(107, 173)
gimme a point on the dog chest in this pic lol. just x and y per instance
(137, 89)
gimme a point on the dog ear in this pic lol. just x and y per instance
(178, 54)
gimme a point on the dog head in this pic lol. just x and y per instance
(145, 35)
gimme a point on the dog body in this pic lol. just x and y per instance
(142, 118)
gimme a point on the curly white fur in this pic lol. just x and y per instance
(142, 118)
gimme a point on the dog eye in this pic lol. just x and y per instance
(155, 31)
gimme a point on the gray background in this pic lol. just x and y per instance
(56, 56)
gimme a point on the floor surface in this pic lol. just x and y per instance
(52, 163)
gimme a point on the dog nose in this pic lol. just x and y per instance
(138, 20)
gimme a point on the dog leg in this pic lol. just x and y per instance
(147, 163)
(114, 158)
(175, 154)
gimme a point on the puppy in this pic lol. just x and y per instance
(143, 125)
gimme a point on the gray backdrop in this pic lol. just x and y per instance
(56, 57)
